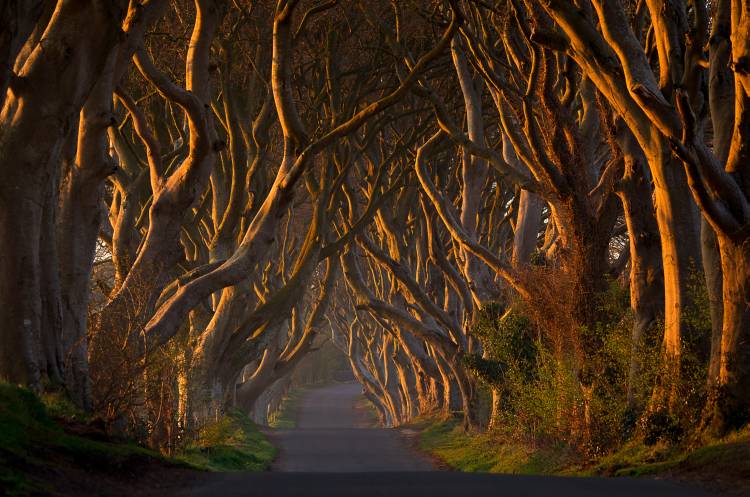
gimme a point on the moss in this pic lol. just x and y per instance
(233, 443)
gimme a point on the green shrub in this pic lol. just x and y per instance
(58, 405)
(231, 443)
(509, 347)
(557, 391)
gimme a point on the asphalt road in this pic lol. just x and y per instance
(335, 433)
(335, 451)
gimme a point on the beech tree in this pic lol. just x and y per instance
(457, 194)
(55, 67)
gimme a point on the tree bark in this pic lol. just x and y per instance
(35, 119)
(728, 406)
(646, 276)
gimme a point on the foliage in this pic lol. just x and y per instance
(554, 395)
(509, 347)
(58, 405)
(231, 443)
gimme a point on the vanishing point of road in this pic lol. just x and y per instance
(336, 451)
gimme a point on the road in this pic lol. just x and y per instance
(334, 433)
(336, 452)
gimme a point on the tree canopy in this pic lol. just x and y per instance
(544, 201)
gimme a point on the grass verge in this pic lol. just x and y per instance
(33, 444)
(286, 417)
(484, 452)
(233, 443)
(48, 447)
(720, 464)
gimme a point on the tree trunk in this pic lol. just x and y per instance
(474, 175)
(52, 360)
(20, 290)
(496, 408)
(680, 258)
(263, 377)
(58, 76)
(714, 282)
(646, 277)
(529, 217)
(78, 229)
(729, 401)
(528, 221)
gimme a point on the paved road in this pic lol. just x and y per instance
(336, 452)
(335, 433)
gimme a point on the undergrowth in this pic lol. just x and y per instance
(232, 443)
(486, 451)
(286, 417)
(31, 441)
(41, 436)
(726, 458)
(581, 411)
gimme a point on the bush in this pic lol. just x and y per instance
(509, 347)
(554, 392)
(231, 443)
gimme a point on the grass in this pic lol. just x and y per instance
(36, 449)
(728, 456)
(31, 442)
(233, 443)
(484, 452)
(58, 405)
(286, 417)
(370, 414)
(726, 460)
(722, 465)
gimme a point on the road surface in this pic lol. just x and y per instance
(336, 452)
(335, 433)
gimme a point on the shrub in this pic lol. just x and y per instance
(556, 393)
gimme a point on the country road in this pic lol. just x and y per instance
(334, 433)
(336, 452)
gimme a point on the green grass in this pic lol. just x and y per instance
(233, 443)
(34, 445)
(485, 452)
(31, 441)
(728, 458)
(286, 417)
